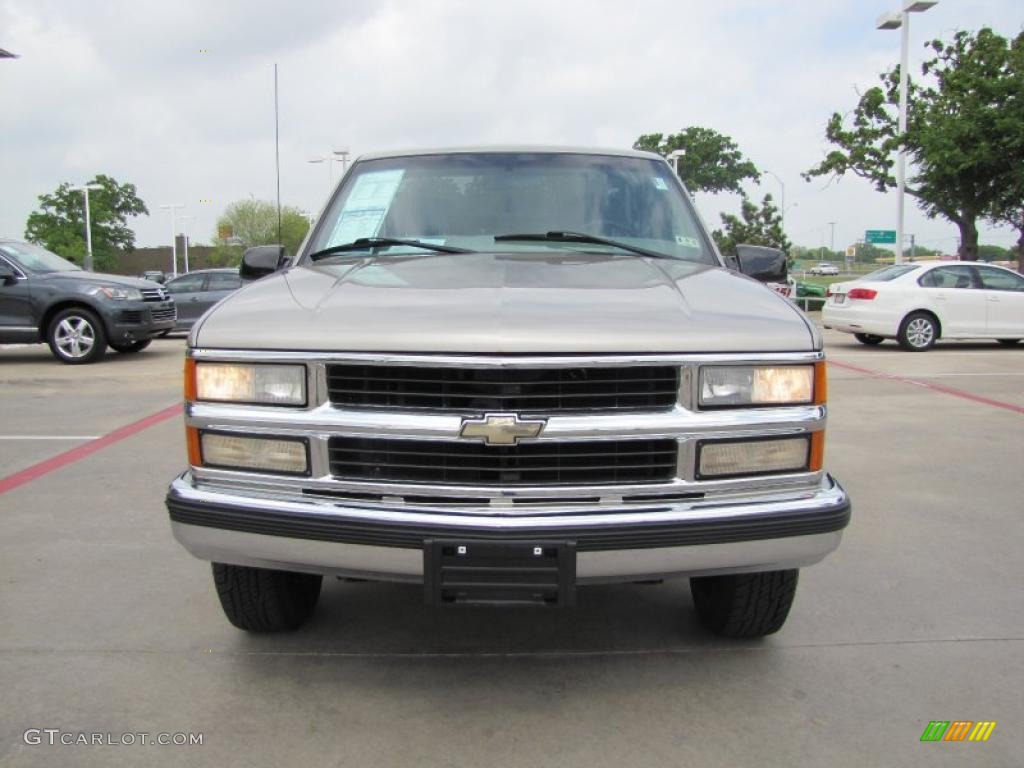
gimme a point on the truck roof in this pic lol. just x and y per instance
(510, 148)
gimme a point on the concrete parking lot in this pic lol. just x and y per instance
(107, 625)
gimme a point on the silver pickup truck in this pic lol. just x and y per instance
(505, 373)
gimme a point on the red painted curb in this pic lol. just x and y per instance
(933, 387)
(11, 482)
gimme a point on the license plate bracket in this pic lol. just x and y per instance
(499, 573)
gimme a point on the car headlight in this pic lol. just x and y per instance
(119, 294)
(735, 458)
(738, 385)
(244, 383)
(259, 454)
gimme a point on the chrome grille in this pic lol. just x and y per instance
(598, 462)
(155, 294)
(520, 390)
(165, 313)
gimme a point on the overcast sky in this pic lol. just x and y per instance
(129, 89)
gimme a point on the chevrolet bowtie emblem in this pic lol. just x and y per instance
(500, 428)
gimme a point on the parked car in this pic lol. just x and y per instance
(503, 373)
(44, 298)
(195, 292)
(917, 304)
(823, 268)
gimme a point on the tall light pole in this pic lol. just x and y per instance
(184, 232)
(336, 156)
(84, 189)
(174, 236)
(673, 157)
(901, 21)
(782, 197)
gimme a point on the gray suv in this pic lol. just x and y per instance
(505, 374)
(44, 298)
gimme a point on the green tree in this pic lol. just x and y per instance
(963, 119)
(246, 223)
(993, 253)
(712, 163)
(59, 224)
(756, 225)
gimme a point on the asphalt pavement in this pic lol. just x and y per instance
(107, 626)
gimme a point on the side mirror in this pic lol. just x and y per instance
(262, 260)
(6, 275)
(762, 263)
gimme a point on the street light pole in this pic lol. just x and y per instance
(901, 21)
(782, 198)
(184, 231)
(174, 236)
(84, 189)
(336, 156)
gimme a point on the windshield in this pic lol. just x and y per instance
(467, 199)
(889, 273)
(33, 258)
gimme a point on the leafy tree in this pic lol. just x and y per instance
(712, 163)
(245, 223)
(962, 122)
(993, 253)
(59, 224)
(755, 226)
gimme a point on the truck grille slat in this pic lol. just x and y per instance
(513, 389)
(447, 462)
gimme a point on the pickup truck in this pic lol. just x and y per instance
(504, 374)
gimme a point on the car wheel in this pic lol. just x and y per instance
(745, 604)
(918, 332)
(262, 600)
(131, 346)
(1008, 342)
(76, 336)
(868, 338)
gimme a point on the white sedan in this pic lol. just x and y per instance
(823, 268)
(917, 304)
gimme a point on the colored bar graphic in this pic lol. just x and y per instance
(958, 730)
(935, 730)
(982, 730)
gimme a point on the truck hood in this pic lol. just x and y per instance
(100, 278)
(507, 303)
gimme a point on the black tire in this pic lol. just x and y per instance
(1008, 342)
(745, 604)
(918, 331)
(262, 600)
(869, 338)
(76, 336)
(131, 346)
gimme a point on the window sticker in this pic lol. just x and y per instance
(689, 242)
(366, 206)
(659, 183)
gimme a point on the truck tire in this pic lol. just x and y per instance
(918, 332)
(76, 336)
(1008, 342)
(262, 600)
(131, 346)
(744, 604)
(868, 338)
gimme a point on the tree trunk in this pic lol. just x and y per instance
(968, 250)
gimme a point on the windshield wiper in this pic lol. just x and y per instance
(362, 243)
(579, 237)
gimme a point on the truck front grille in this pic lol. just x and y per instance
(155, 294)
(601, 462)
(165, 313)
(519, 390)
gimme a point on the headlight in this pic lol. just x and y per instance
(732, 458)
(732, 385)
(259, 384)
(254, 453)
(120, 294)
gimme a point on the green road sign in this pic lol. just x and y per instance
(880, 236)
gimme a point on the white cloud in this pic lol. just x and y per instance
(123, 88)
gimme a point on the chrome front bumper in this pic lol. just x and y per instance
(780, 530)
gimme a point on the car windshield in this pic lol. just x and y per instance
(889, 273)
(33, 258)
(467, 199)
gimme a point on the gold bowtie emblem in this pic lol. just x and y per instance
(500, 428)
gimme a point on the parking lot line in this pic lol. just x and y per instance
(11, 482)
(50, 437)
(927, 385)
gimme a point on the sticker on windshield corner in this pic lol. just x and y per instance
(366, 206)
(659, 183)
(689, 242)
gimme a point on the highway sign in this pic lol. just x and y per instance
(880, 236)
